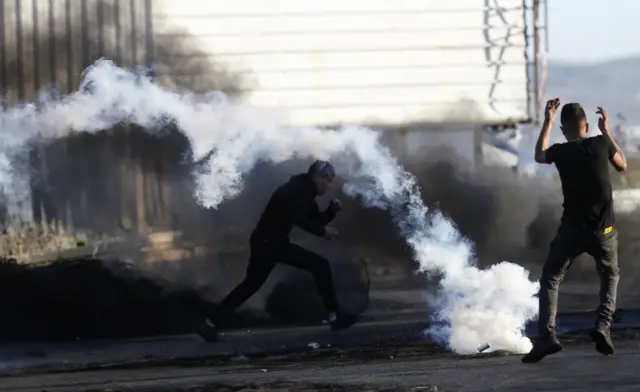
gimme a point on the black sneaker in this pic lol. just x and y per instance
(544, 346)
(208, 331)
(602, 338)
(343, 321)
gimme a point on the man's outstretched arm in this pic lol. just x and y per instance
(616, 155)
(542, 144)
(619, 161)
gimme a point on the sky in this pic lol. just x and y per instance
(593, 30)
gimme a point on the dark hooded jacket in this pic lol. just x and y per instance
(293, 204)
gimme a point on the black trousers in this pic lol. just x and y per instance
(569, 243)
(265, 253)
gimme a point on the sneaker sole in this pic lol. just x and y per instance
(602, 346)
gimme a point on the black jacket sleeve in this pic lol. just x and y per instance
(326, 216)
(299, 212)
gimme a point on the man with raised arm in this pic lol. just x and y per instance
(588, 221)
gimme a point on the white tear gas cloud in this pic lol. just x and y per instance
(472, 307)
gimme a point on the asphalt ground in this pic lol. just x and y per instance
(383, 356)
(410, 367)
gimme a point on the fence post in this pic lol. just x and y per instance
(68, 18)
(3, 54)
(116, 11)
(52, 45)
(36, 47)
(20, 76)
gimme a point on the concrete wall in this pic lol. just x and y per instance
(414, 145)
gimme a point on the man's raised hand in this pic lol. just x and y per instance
(551, 109)
(603, 121)
(335, 205)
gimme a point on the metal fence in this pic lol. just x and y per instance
(112, 180)
(46, 43)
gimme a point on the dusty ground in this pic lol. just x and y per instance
(418, 367)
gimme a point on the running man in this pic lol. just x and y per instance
(291, 204)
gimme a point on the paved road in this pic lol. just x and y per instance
(45, 356)
(379, 340)
(577, 369)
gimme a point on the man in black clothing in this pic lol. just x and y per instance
(291, 204)
(588, 222)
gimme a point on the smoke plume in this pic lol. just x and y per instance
(473, 306)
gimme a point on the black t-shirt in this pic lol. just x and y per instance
(583, 166)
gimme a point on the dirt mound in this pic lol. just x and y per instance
(89, 298)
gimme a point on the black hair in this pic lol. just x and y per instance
(321, 168)
(572, 115)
